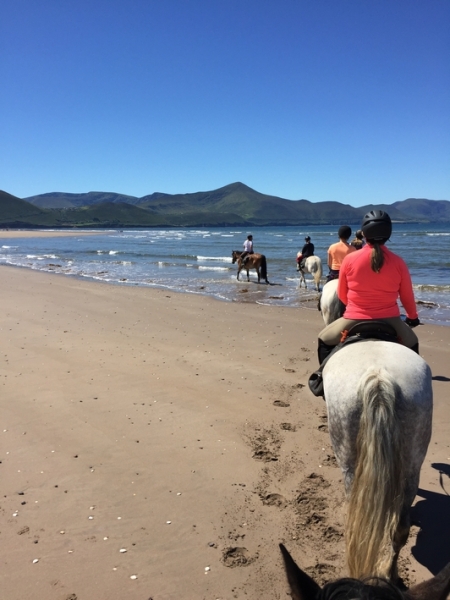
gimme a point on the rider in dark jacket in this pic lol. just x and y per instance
(307, 250)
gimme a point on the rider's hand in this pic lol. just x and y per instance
(413, 322)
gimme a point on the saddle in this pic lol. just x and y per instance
(360, 332)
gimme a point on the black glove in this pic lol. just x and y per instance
(413, 322)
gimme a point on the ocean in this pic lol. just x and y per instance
(198, 261)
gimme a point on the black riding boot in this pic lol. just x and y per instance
(324, 350)
(415, 347)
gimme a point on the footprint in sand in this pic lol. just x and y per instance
(236, 557)
(330, 461)
(281, 403)
(322, 572)
(288, 427)
(275, 500)
(265, 456)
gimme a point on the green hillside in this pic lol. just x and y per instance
(232, 205)
(255, 208)
(65, 200)
(14, 210)
(430, 210)
(108, 214)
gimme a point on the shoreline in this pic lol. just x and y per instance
(184, 427)
(432, 299)
(28, 233)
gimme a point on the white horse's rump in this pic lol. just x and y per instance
(313, 265)
(330, 305)
(379, 401)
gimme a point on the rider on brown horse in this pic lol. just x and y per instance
(248, 248)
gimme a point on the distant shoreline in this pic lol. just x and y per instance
(30, 233)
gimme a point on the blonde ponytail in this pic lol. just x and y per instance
(377, 257)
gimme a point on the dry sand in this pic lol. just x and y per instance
(156, 445)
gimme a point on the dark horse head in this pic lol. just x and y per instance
(235, 255)
(303, 587)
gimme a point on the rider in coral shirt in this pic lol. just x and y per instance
(338, 251)
(370, 282)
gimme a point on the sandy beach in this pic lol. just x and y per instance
(160, 445)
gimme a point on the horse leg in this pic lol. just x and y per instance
(400, 539)
(259, 275)
(317, 281)
(248, 275)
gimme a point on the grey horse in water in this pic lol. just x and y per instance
(312, 265)
(379, 400)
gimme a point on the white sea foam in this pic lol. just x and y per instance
(201, 268)
(221, 258)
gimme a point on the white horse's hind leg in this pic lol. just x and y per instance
(302, 279)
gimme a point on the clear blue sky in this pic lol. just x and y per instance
(345, 100)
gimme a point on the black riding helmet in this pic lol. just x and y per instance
(345, 232)
(377, 225)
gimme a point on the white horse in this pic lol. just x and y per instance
(330, 305)
(379, 401)
(313, 265)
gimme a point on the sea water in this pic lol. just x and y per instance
(198, 261)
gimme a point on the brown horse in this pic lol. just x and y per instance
(251, 261)
(303, 587)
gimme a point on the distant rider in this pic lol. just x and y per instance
(248, 248)
(358, 241)
(338, 251)
(307, 251)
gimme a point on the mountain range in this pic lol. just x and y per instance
(233, 205)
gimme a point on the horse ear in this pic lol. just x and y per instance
(436, 588)
(301, 584)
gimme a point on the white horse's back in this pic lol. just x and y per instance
(379, 401)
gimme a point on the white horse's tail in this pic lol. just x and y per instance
(376, 496)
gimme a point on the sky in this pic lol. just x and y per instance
(344, 100)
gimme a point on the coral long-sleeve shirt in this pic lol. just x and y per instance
(370, 295)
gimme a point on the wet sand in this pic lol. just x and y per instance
(160, 445)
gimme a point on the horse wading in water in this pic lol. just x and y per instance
(303, 587)
(251, 261)
(380, 402)
(312, 265)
